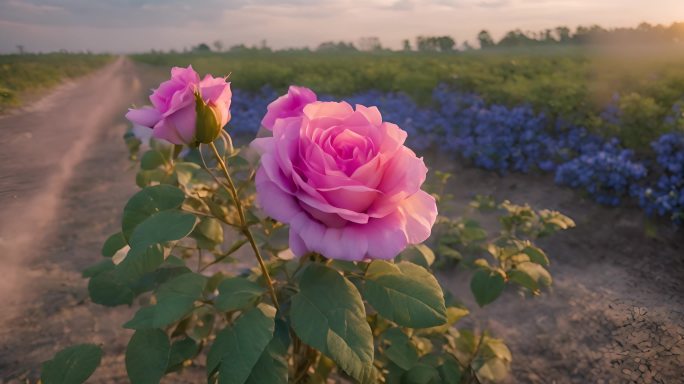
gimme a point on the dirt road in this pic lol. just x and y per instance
(616, 312)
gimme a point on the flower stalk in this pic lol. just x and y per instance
(243, 225)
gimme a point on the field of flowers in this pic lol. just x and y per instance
(26, 72)
(617, 137)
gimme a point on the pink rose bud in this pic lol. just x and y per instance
(180, 110)
(289, 105)
(344, 182)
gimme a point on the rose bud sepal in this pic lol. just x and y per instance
(208, 123)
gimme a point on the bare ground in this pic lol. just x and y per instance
(615, 313)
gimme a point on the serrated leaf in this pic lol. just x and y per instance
(486, 286)
(405, 293)
(237, 293)
(72, 365)
(272, 366)
(328, 314)
(113, 243)
(238, 348)
(147, 356)
(175, 298)
(148, 201)
(162, 227)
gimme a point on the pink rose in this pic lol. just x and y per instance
(289, 105)
(173, 114)
(344, 182)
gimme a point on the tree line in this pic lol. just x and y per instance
(644, 33)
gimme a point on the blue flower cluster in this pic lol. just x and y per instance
(607, 175)
(666, 196)
(503, 139)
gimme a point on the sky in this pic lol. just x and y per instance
(122, 26)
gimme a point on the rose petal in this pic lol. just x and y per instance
(146, 116)
(420, 211)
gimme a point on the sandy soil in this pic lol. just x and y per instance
(615, 314)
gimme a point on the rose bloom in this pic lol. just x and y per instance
(173, 114)
(344, 182)
(288, 105)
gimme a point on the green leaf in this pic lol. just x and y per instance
(94, 270)
(405, 293)
(208, 233)
(530, 275)
(400, 351)
(492, 363)
(113, 243)
(186, 171)
(237, 293)
(148, 201)
(418, 254)
(421, 374)
(175, 298)
(147, 356)
(140, 261)
(536, 255)
(162, 227)
(450, 370)
(107, 289)
(272, 366)
(72, 365)
(328, 314)
(151, 160)
(486, 286)
(181, 350)
(238, 348)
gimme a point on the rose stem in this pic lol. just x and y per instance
(244, 227)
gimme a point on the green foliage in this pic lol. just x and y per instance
(237, 293)
(486, 286)
(405, 293)
(328, 314)
(303, 320)
(25, 73)
(72, 365)
(147, 356)
(239, 348)
(581, 80)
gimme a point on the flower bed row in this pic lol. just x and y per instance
(519, 139)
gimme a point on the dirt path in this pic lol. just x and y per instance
(64, 178)
(616, 313)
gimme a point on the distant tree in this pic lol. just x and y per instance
(263, 46)
(218, 45)
(20, 48)
(407, 45)
(370, 44)
(435, 43)
(563, 34)
(201, 47)
(445, 43)
(485, 39)
(331, 46)
(467, 46)
(517, 38)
